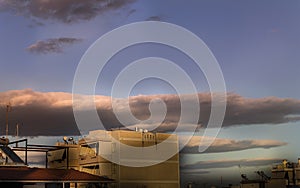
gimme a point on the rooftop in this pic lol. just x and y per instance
(26, 174)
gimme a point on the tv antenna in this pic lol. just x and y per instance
(243, 176)
(8, 109)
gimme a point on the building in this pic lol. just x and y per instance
(15, 173)
(284, 175)
(65, 158)
(113, 154)
(287, 174)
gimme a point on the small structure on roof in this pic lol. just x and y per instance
(15, 173)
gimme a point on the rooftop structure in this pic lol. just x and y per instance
(287, 174)
(15, 173)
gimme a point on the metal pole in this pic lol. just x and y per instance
(25, 151)
(6, 121)
(67, 157)
(46, 159)
(6, 118)
(17, 133)
(17, 130)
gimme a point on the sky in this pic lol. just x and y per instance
(256, 44)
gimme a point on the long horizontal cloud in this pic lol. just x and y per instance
(239, 110)
(52, 114)
(194, 172)
(230, 163)
(53, 45)
(226, 145)
(272, 110)
(63, 10)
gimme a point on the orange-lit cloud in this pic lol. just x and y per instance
(53, 45)
(51, 113)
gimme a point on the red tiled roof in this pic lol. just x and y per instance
(25, 174)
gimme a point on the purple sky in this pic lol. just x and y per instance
(255, 42)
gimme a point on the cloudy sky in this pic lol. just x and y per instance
(256, 44)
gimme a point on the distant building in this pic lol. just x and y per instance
(95, 153)
(286, 174)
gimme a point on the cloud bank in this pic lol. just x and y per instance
(230, 163)
(66, 11)
(227, 145)
(53, 45)
(52, 114)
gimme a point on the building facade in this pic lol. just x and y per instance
(113, 154)
(286, 174)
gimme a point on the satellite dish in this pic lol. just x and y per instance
(66, 139)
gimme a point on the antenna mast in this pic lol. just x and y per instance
(17, 130)
(8, 109)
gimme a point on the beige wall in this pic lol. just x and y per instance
(163, 171)
(163, 175)
(55, 157)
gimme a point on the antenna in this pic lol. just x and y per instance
(65, 139)
(263, 175)
(243, 176)
(17, 133)
(240, 168)
(8, 109)
(17, 130)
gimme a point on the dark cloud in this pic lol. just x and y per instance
(35, 23)
(271, 110)
(227, 145)
(154, 18)
(239, 110)
(54, 45)
(230, 163)
(63, 10)
(52, 113)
